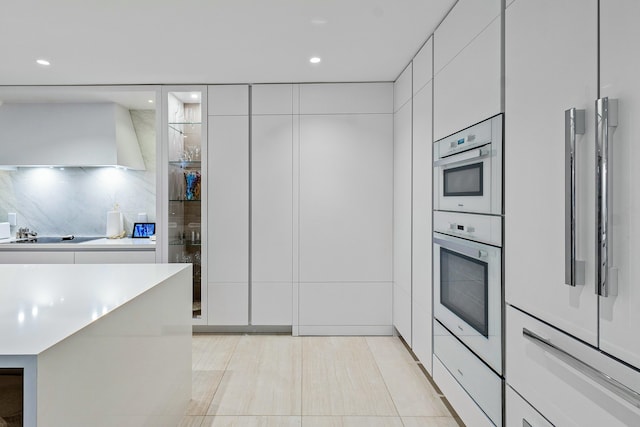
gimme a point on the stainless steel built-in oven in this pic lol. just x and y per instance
(468, 293)
(467, 169)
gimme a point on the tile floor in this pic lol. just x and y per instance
(279, 380)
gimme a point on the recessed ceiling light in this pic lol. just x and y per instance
(315, 60)
(151, 101)
(194, 96)
(43, 62)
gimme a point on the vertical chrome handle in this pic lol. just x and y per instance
(606, 116)
(574, 124)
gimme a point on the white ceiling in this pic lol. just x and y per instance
(211, 41)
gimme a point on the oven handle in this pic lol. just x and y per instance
(574, 124)
(606, 116)
(461, 248)
(478, 153)
(597, 375)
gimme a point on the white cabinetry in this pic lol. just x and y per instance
(402, 164)
(520, 413)
(272, 232)
(619, 71)
(536, 97)
(467, 64)
(422, 205)
(345, 206)
(601, 311)
(36, 257)
(115, 257)
(228, 205)
(561, 388)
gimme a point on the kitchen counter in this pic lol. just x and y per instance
(97, 244)
(89, 334)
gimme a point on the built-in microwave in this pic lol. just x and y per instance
(467, 169)
(468, 294)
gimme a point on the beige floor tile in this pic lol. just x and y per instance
(262, 378)
(389, 349)
(251, 421)
(430, 422)
(331, 421)
(411, 392)
(340, 377)
(216, 351)
(203, 386)
(191, 421)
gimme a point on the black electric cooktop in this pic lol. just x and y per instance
(57, 239)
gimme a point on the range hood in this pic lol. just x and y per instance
(72, 135)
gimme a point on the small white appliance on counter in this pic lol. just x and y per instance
(115, 223)
(5, 230)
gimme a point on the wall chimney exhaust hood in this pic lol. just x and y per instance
(68, 134)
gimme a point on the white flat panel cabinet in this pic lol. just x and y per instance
(346, 98)
(423, 67)
(537, 96)
(228, 100)
(272, 219)
(402, 91)
(228, 304)
(346, 198)
(339, 305)
(228, 220)
(272, 99)
(422, 231)
(229, 199)
(565, 391)
(115, 257)
(619, 71)
(271, 303)
(468, 89)
(520, 413)
(36, 257)
(466, 20)
(402, 212)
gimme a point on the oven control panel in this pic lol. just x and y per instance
(481, 228)
(474, 136)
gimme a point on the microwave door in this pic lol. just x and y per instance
(464, 181)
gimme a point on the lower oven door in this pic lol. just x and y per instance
(468, 294)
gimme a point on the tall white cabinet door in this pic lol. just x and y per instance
(346, 198)
(228, 219)
(422, 230)
(619, 74)
(467, 62)
(272, 219)
(402, 204)
(549, 69)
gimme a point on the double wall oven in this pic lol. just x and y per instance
(467, 261)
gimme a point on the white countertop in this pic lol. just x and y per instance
(42, 304)
(97, 244)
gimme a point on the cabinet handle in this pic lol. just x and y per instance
(606, 116)
(461, 248)
(597, 375)
(477, 153)
(574, 124)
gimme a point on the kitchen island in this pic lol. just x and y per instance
(99, 345)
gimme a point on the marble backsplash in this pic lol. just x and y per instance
(76, 200)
